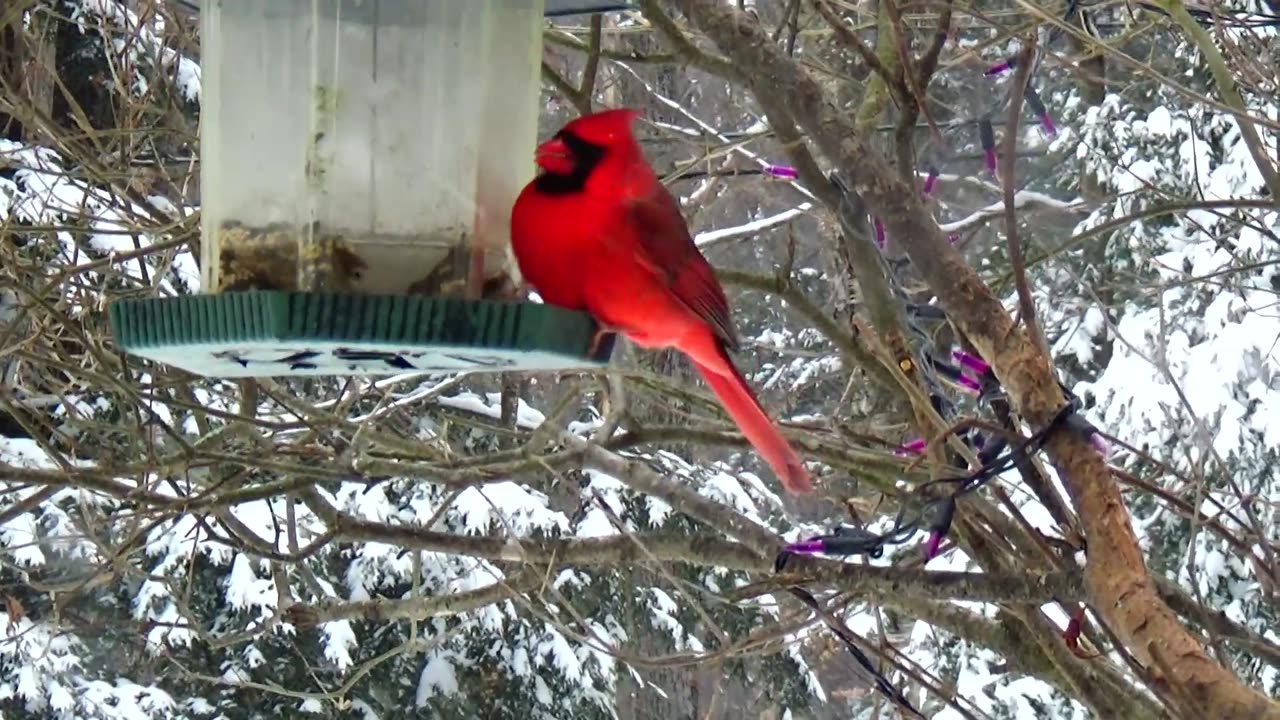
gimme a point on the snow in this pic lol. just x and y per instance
(490, 405)
(168, 631)
(509, 506)
(438, 678)
(664, 610)
(245, 590)
(555, 651)
(22, 452)
(1080, 338)
(340, 640)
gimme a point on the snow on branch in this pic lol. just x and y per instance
(711, 237)
(1024, 199)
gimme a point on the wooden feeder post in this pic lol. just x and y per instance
(359, 160)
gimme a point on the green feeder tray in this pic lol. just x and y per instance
(275, 333)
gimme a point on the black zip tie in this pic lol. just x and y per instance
(940, 527)
(1077, 423)
(987, 138)
(991, 389)
(979, 440)
(927, 312)
(843, 540)
(847, 535)
(1042, 114)
(992, 449)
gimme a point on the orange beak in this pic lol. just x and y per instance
(552, 153)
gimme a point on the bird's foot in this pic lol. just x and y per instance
(597, 340)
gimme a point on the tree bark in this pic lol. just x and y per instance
(1119, 587)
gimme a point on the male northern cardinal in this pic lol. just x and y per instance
(597, 231)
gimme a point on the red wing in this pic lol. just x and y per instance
(671, 253)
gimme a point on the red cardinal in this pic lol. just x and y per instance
(597, 231)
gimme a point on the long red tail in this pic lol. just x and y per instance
(731, 387)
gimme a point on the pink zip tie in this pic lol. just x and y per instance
(915, 446)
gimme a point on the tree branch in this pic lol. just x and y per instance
(413, 608)
(1008, 175)
(886, 582)
(580, 102)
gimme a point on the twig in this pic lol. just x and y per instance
(588, 87)
(1008, 165)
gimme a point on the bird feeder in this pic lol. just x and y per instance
(358, 164)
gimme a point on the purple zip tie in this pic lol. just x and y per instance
(784, 172)
(953, 238)
(972, 362)
(1001, 67)
(807, 547)
(1047, 123)
(930, 181)
(878, 227)
(969, 383)
(931, 547)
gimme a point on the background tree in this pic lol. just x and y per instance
(598, 545)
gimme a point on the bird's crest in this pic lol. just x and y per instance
(605, 127)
